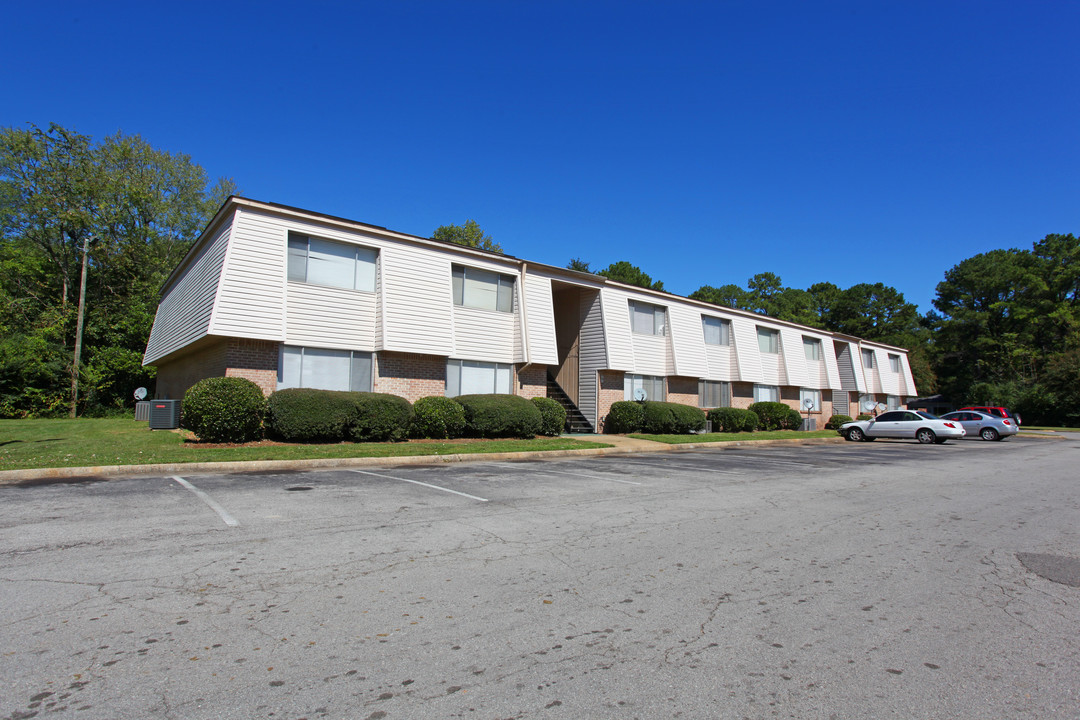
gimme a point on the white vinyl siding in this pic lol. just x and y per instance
(812, 395)
(713, 394)
(651, 384)
(482, 334)
(766, 393)
(744, 337)
(539, 308)
(471, 377)
(324, 369)
(183, 316)
(688, 352)
(482, 289)
(250, 299)
(324, 262)
(768, 341)
(717, 331)
(416, 301)
(647, 319)
(617, 336)
(330, 317)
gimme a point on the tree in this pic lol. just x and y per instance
(469, 235)
(144, 206)
(579, 265)
(623, 271)
(730, 295)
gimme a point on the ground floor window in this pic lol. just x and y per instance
(892, 402)
(305, 367)
(713, 394)
(472, 377)
(812, 395)
(766, 393)
(643, 387)
(867, 404)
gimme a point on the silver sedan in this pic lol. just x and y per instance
(922, 426)
(984, 425)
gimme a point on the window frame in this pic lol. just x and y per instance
(814, 394)
(658, 321)
(632, 380)
(868, 354)
(453, 380)
(813, 342)
(723, 330)
(504, 288)
(722, 391)
(894, 363)
(773, 345)
(365, 270)
(763, 386)
(303, 351)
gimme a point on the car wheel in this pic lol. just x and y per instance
(925, 436)
(855, 435)
(989, 433)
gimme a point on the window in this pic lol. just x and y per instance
(768, 340)
(867, 403)
(646, 319)
(812, 395)
(766, 393)
(304, 367)
(812, 348)
(717, 331)
(652, 385)
(892, 402)
(482, 289)
(470, 377)
(324, 262)
(868, 359)
(713, 394)
(894, 363)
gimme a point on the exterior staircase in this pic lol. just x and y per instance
(575, 421)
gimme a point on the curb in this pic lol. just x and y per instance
(42, 475)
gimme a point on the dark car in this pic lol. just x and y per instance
(995, 411)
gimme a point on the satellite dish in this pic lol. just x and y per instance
(808, 404)
(640, 394)
(140, 393)
(879, 407)
(869, 405)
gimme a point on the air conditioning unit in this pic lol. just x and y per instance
(164, 414)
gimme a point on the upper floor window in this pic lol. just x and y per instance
(305, 367)
(325, 262)
(482, 289)
(868, 359)
(894, 363)
(717, 331)
(471, 377)
(812, 348)
(646, 319)
(768, 340)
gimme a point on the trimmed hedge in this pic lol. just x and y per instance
(668, 418)
(380, 417)
(309, 415)
(437, 417)
(224, 410)
(864, 416)
(732, 420)
(490, 416)
(836, 421)
(625, 417)
(776, 416)
(552, 416)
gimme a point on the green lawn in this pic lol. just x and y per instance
(1046, 427)
(90, 442)
(736, 437)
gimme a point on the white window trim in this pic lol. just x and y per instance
(813, 394)
(761, 386)
(725, 393)
(284, 383)
(631, 381)
(659, 317)
(775, 342)
(364, 271)
(819, 350)
(502, 380)
(724, 329)
(504, 288)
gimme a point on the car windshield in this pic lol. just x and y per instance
(928, 416)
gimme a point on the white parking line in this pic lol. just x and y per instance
(572, 474)
(229, 519)
(417, 482)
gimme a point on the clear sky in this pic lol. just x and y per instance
(864, 141)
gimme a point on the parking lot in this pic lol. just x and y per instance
(858, 580)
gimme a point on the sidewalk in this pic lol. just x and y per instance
(620, 445)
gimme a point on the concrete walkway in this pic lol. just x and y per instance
(618, 445)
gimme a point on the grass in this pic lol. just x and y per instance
(737, 437)
(90, 442)
(1047, 427)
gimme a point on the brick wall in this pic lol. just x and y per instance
(410, 376)
(532, 381)
(742, 394)
(683, 390)
(176, 376)
(610, 392)
(256, 360)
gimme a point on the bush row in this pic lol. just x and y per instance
(672, 418)
(233, 410)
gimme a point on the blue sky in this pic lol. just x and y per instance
(705, 142)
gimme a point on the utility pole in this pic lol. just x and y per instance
(79, 330)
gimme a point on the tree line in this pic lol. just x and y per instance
(1005, 328)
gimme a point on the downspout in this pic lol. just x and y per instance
(524, 324)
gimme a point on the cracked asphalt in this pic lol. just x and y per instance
(873, 580)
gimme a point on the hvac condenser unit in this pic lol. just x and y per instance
(164, 414)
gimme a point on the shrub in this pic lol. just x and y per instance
(552, 416)
(836, 421)
(728, 419)
(668, 418)
(380, 417)
(864, 416)
(437, 417)
(309, 415)
(224, 410)
(776, 416)
(625, 417)
(500, 416)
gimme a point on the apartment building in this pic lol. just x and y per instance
(292, 298)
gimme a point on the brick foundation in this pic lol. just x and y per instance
(176, 376)
(410, 376)
(532, 381)
(256, 360)
(610, 392)
(682, 390)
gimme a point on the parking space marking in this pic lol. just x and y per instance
(417, 482)
(222, 512)
(563, 472)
